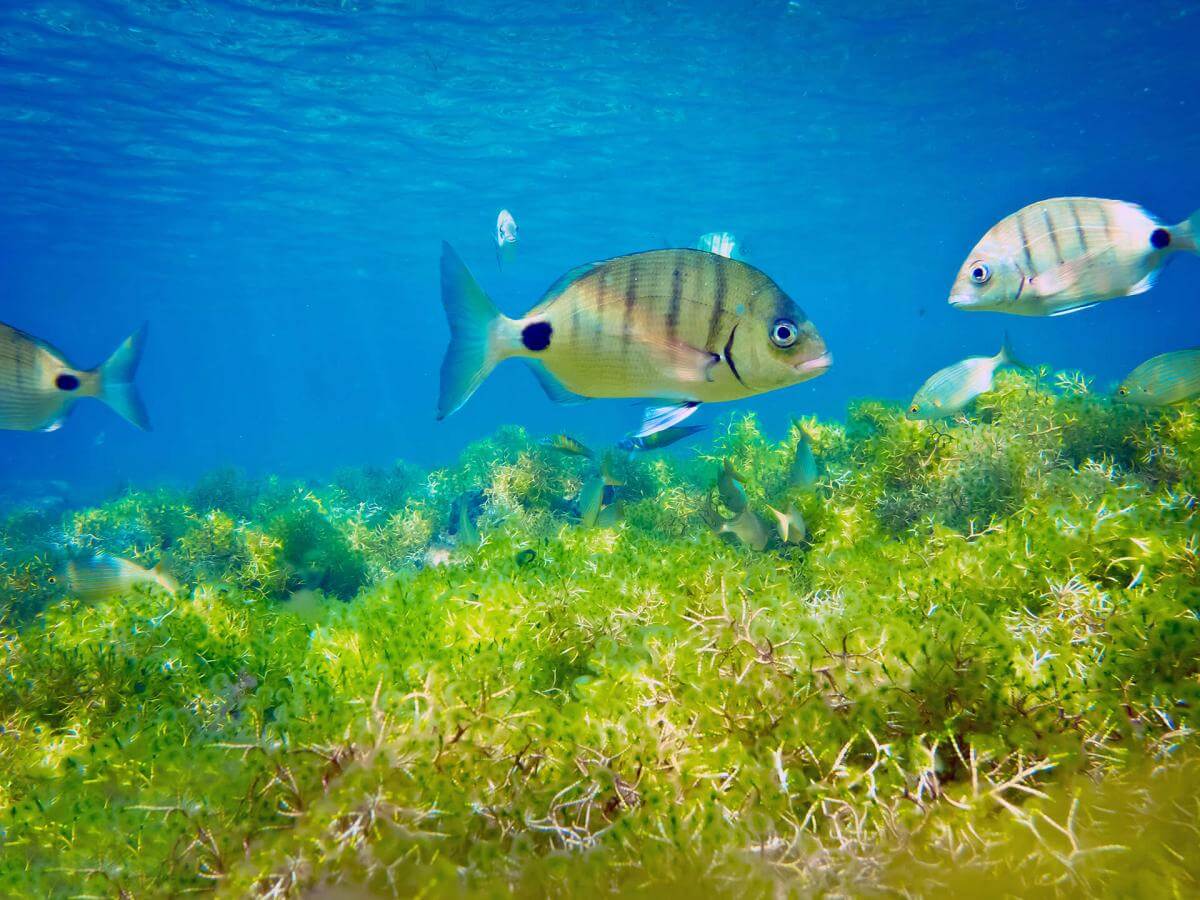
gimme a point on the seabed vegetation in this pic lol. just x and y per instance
(977, 674)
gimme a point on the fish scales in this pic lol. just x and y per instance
(670, 298)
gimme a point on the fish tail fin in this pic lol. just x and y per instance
(480, 336)
(115, 381)
(1186, 235)
(1007, 356)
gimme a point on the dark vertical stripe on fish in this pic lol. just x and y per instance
(601, 303)
(676, 299)
(718, 309)
(1107, 223)
(630, 301)
(1079, 232)
(1025, 243)
(1053, 236)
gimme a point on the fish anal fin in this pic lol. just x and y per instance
(554, 388)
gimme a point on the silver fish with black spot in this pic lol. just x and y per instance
(39, 388)
(1066, 254)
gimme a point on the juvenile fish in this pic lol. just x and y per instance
(678, 326)
(729, 489)
(591, 497)
(564, 443)
(468, 532)
(721, 243)
(506, 237)
(789, 525)
(39, 388)
(748, 528)
(102, 576)
(804, 465)
(949, 391)
(659, 439)
(1164, 380)
(1066, 254)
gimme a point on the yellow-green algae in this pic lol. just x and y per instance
(978, 675)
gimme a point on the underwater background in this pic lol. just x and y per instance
(303, 640)
(267, 185)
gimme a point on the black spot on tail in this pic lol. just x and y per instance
(536, 336)
(1160, 239)
(66, 382)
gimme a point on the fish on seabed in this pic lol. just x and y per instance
(506, 237)
(804, 464)
(102, 576)
(39, 388)
(789, 525)
(1066, 254)
(680, 327)
(748, 528)
(949, 391)
(1163, 380)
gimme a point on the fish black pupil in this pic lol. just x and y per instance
(536, 336)
(1160, 238)
(66, 382)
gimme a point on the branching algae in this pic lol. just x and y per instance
(978, 671)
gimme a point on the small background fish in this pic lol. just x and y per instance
(1165, 380)
(949, 391)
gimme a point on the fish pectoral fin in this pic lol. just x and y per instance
(660, 418)
(1066, 275)
(554, 388)
(681, 360)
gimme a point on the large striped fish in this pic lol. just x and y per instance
(1164, 380)
(38, 387)
(678, 326)
(1063, 255)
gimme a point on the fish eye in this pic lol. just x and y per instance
(913, 408)
(784, 333)
(980, 272)
(1124, 391)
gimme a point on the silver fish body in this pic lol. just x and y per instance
(1066, 254)
(102, 576)
(39, 387)
(1164, 380)
(949, 391)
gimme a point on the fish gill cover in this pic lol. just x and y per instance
(859, 654)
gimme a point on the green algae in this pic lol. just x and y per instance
(979, 671)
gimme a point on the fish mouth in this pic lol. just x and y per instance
(818, 365)
(962, 301)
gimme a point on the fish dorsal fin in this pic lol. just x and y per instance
(554, 388)
(668, 413)
(567, 279)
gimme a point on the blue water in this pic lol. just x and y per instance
(267, 185)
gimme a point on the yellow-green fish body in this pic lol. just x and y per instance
(949, 391)
(564, 443)
(39, 388)
(1164, 380)
(678, 325)
(1068, 253)
(804, 465)
(468, 532)
(729, 488)
(103, 576)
